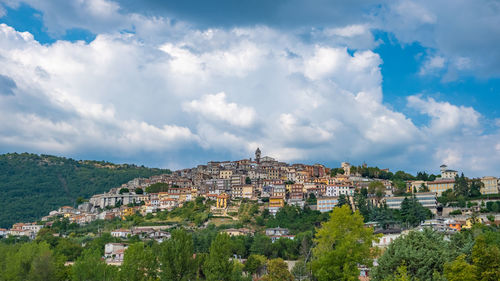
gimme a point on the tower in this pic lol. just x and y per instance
(257, 155)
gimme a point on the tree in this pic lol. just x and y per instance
(422, 252)
(475, 186)
(460, 270)
(461, 187)
(248, 180)
(412, 211)
(277, 270)
(157, 187)
(423, 188)
(342, 243)
(139, 191)
(124, 190)
(376, 188)
(255, 263)
(90, 266)
(342, 201)
(312, 199)
(300, 271)
(139, 263)
(176, 257)
(217, 265)
(486, 257)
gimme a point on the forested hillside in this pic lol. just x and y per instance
(32, 185)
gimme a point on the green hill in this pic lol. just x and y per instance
(32, 185)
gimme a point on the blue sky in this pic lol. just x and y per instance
(398, 84)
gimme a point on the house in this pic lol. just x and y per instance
(275, 203)
(3, 232)
(278, 232)
(440, 186)
(490, 185)
(326, 204)
(447, 174)
(121, 233)
(114, 252)
(237, 232)
(386, 238)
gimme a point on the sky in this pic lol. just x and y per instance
(405, 85)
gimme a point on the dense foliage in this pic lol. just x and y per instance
(32, 185)
(426, 255)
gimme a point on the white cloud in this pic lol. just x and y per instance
(136, 94)
(445, 117)
(432, 65)
(467, 42)
(216, 107)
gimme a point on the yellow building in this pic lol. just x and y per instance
(126, 212)
(440, 186)
(490, 185)
(222, 201)
(225, 174)
(276, 202)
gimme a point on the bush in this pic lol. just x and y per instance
(456, 212)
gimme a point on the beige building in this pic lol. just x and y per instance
(225, 174)
(447, 174)
(440, 186)
(490, 185)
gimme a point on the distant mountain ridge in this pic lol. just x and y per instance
(32, 185)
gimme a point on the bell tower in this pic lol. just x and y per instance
(257, 155)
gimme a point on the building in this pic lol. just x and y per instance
(440, 186)
(277, 233)
(447, 174)
(247, 191)
(114, 252)
(225, 174)
(326, 204)
(121, 233)
(490, 185)
(346, 167)
(221, 202)
(427, 199)
(237, 232)
(275, 203)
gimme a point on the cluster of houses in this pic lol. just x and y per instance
(263, 178)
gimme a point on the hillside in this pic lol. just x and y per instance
(32, 185)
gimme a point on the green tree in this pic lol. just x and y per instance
(176, 257)
(277, 270)
(342, 244)
(423, 188)
(460, 270)
(255, 264)
(422, 252)
(376, 188)
(486, 257)
(248, 180)
(342, 201)
(300, 270)
(90, 266)
(461, 187)
(139, 191)
(412, 211)
(218, 266)
(139, 263)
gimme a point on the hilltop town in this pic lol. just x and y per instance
(272, 184)
(263, 197)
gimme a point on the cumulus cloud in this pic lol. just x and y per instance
(467, 42)
(7, 85)
(432, 65)
(216, 107)
(139, 93)
(445, 117)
